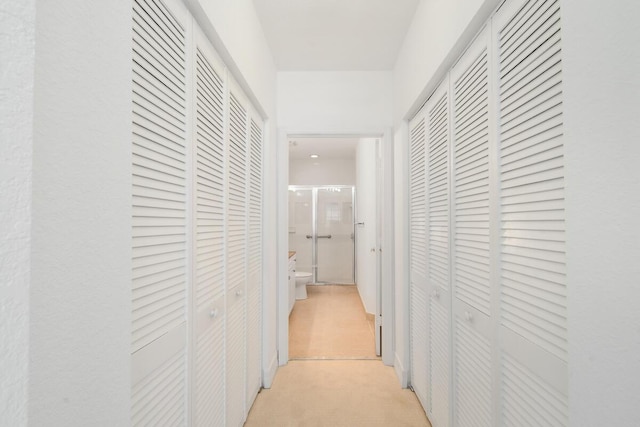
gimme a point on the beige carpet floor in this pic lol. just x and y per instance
(336, 393)
(331, 324)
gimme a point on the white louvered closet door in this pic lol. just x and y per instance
(208, 377)
(237, 241)
(473, 316)
(438, 255)
(533, 294)
(159, 234)
(254, 283)
(418, 257)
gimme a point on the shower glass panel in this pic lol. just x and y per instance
(301, 226)
(335, 235)
(321, 232)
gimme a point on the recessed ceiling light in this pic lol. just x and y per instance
(314, 156)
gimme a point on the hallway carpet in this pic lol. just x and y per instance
(331, 324)
(336, 393)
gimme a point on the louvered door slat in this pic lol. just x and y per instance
(473, 357)
(438, 186)
(159, 177)
(418, 257)
(438, 241)
(237, 253)
(209, 376)
(157, 399)
(150, 204)
(473, 378)
(528, 400)
(254, 285)
(439, 359)
(533, 162)
(471, 169)
(533, 294)
(209, 183)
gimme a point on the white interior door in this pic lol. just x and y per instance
(159, 233)
(209, 229)
(254, 260)
(473, 308)
(438, 254)
(237, 238)
(533, 286)
(418, 258)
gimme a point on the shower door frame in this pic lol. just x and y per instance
(314, 227)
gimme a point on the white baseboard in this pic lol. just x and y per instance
(269, 374)
(401, 372)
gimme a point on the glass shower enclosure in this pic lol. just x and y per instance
(321, 231)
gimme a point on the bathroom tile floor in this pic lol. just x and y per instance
(331, 324)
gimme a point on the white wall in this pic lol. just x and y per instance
(366, 212)
(322, 171)
(352, 102)
(17, 20)
(602, 107)
(79, 371)
(439, 32)
(236, 33)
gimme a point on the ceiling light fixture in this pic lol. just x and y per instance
(314, 156)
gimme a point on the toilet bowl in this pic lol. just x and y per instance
(302, 278)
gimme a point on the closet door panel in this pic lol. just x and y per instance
(209, 344)
(237, 241)
(438, 254)
(533, 292)
(418, 257)
(471, 231)
(254, 284)
(159, 195)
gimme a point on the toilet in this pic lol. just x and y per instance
(302, 278)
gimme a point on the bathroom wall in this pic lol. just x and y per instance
(322, 171)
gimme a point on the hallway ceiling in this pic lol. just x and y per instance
(335, 35)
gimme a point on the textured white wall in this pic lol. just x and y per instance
(366, 212)
(602, 139)
(322, 171)
(17, 37)
(79, 372)
(355, 101)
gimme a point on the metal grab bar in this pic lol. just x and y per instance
(326, 236)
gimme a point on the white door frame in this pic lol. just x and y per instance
(385, 292)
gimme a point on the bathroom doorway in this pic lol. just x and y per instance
(321, 232)
(324, 163)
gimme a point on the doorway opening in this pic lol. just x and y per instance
(373, 223)
(332, 192)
